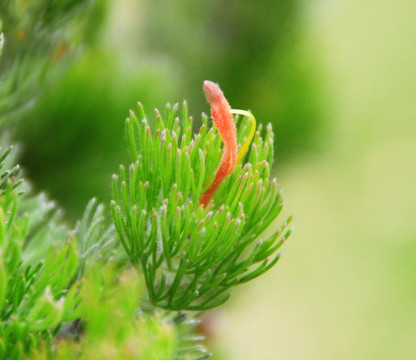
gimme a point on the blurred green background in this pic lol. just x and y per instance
(338, 81)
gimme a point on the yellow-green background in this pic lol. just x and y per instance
(346, 285)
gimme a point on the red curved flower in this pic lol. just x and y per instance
(223, 120)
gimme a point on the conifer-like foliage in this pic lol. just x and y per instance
(191, 255)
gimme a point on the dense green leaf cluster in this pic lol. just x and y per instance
(191, 255)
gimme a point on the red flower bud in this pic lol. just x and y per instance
(223, 120)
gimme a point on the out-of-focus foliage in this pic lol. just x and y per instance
(39, 36)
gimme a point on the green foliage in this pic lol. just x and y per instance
(41, 264)
(34, 297)
(190, 256)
